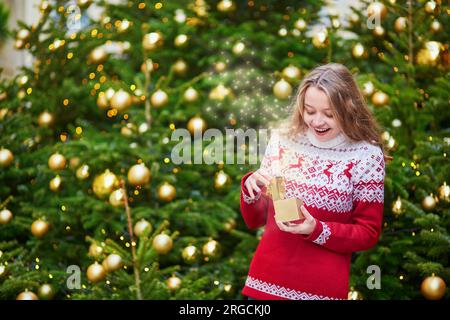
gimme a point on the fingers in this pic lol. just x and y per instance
(249, 188)
(287, 227)
(306, 214)
(262, 178)
(255, 186)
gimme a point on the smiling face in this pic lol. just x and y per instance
(318, 115)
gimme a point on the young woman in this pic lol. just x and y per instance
(331, 157)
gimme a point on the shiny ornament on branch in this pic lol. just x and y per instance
(397, 207)
(95, 250)
(162, 243)
(19, 44)
(180, 67)
(229, 225)
(226, 6)
(27, 295)
(282, 89)
(46, 119)
(376, 10)
(83, 172)
(436, 26)
(98, 55)
(159, 98)
(400, 24)
(96, 272)
(220, 66)
(320, 39)
(300, 25)
(74, 162)
(430, 7)
(116, 198)
(354, 19)
(84, 3)
(102, 101)
(190, 95)
(152, 41)
(211, 250)
(368, 88)
(181, 40)
(196, 124)
(166, 192)
(433, 288)
(56, 162)
(354, 295)
(238, 48)
(45, 6)
(358, 51)
(3, 271)
(23, 34)
(142, 228)
(292, 73)
(124, 25)
(46, 291)
(173, 283)
(6, 158)
(5, 216)
(55, 184)
(39, 228)
(219, 93)
(380, 99)
(429, 203)
(112, 262)
(444, 192)
(190, 254)
(121, 101)
(104, 184)
(430, 54)
(221, 180)
(379, 31)
(147, 66)
(139, 174)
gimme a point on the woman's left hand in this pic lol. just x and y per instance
(306, 227)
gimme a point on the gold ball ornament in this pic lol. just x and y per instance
(380, 99)
(27, 295)
(46, 119)
(429, 203)
(45, 6)
(181, 40)
(5, 216)
(23, 34)
(3, 271)
(444, 192)
(292, 73)
(190, 254)
(109, 93)
(121, 101)
(196, 124)
(173, 283)
(378, 31)
(56, 162)
(220, 66)
(282, 89)
(159, 98)
(6, 158)
(320, 39)
(377, 9)
(112, 262)
(226, 6)
(400, 24)
(219, 93)
(368, 88)
(429, 55)
(117, 197)
(152, 41)
(39, 228)
(358, 51)
(397, 207)
(436, 26)
(147, 66)
(83, 172)
(433, 288)
(166, 192)
(221, 180)
(102, 101)
(74, 163)
(180, 67)
(139, 174)
(162, 243)
(124, 25)
(95, 250)
(142, 228)
(211, 250)
(96, 272)
(55, 184)
(300, 24)
(238, 48)
(230, 225)
(84, 3)
(46, 291)
(105, 183)
(190, 95)
(98, 55)
(354, 295)
(430, 7)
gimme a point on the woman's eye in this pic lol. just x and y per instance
(329, 115)
(309, 112)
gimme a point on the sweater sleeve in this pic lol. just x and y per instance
(368, 202)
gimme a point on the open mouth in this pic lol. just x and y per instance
(322, 131)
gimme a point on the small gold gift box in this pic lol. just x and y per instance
(285, 209)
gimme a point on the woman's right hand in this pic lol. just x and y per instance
(258, 179)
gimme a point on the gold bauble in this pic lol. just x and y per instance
(39, 228)
(46, 119)
(219, 93)
(27, 295)
(147, 66)
(380, 98)
(5, 216)
(173, 283)
(433, 288)
(162, 243)
(110, 93)
(55, 184)
(84, 3)
(116, 198)
(226, 6)
(112, 262)
(196, 124)
(166, 192)
(220, 66)
(190, 254)
(124, 25)
(292, 73)
(152, 40)
(95, 250)
(430, 54)
(378, 31)
(429, 203)
(229, 225)
(190, 95)
(221, 180)
(46, 291)
(430, 7)
(181, 40)
(238, 48)
(57, 162)
(96, 272)
(142, 228)
(320, 39)
(358, 51)
(282, 89)
(98, 55)
(400, 24)
(354, 295)
(180, 67)
(436, 26)
(300, 24)
(444, 192)
(6, 158)
(139, 174)
(121, 100)
(105, 183)
(45, 6)
(159, 98)
(377, 9)
(102, 101)
(211, 250)
(3, 271)
(74, 162)
(397, 207)
(23, 34)
(83, 172)
(368, 88)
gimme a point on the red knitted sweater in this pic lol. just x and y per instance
(342, 185)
